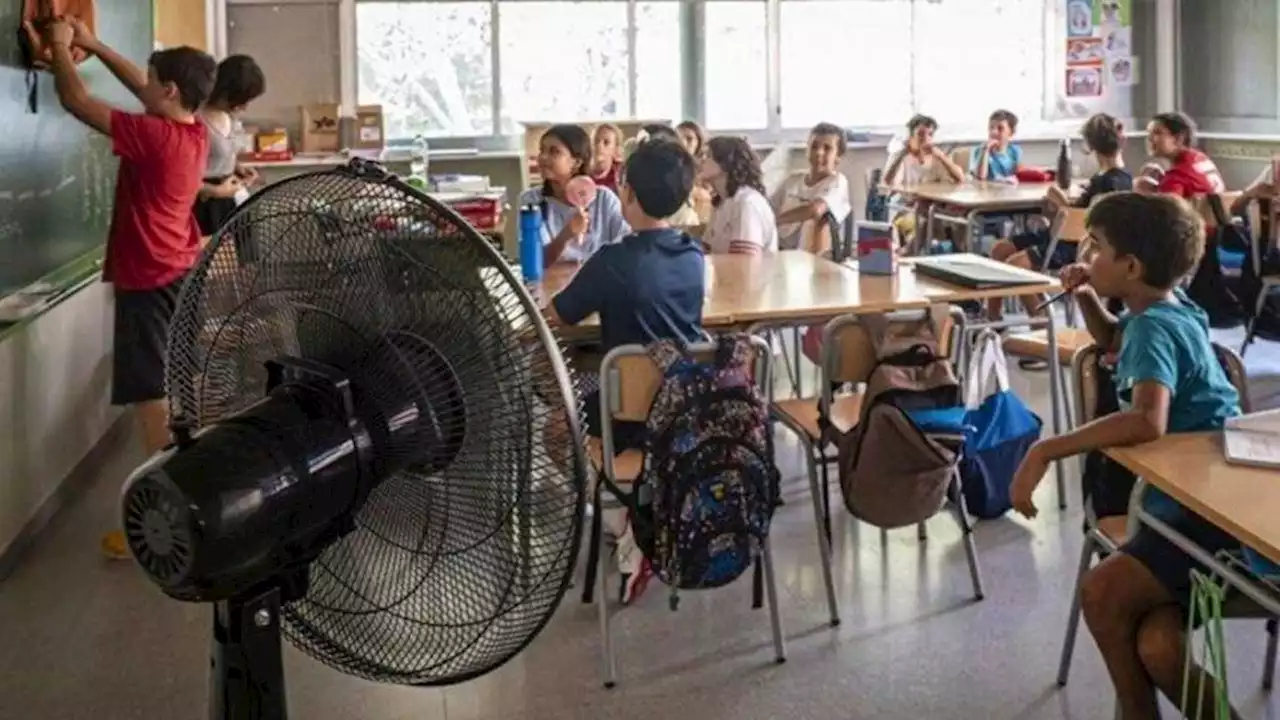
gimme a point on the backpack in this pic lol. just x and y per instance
(1219, 290)
(36, 14)
(705, 497)
(877, 202)
(892, 472)
(1263, 319)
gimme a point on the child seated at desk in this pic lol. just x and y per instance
(1171, 137)
(743, 220)
(571, 234)
(919, 161)
(1168, 380)
(606, 163)
(806, 199)
(999, 158)
(647, 287)
(1104, 137)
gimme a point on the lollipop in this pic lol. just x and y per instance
(580, 192)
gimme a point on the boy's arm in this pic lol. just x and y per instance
(979, 162)
(1146, 420)
(131, 76)
(895, 163)
(953, 168)
(1101, 324)
(584, 294)
(73, 94)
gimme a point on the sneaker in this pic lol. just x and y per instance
(115, 547)
(634, 584)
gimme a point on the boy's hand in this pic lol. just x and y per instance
(83, 38)
(227, 188)
(1025, 480)
(993, 144)
(59, 32)
(1261, 191)
(1074, 276)
(248, 176)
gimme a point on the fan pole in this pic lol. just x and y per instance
(247, 668)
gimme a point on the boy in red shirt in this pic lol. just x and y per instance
(1171, 137)
(154, 240)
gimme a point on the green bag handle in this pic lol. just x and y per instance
(1207, 598)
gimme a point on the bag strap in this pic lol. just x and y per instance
(664, 354)
(986, 364)
(877, 328)
(938, 315)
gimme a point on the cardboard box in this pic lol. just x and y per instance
(370, 129)
(320, 128)
(272, 140)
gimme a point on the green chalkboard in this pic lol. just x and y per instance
(57, 177)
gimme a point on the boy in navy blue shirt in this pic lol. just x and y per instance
(647, 287)
(1167, 379)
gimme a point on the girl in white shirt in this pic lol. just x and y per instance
(806, 199)
(742, 221)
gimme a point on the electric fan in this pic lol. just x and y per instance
(376, 445)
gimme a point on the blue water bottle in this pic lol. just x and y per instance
(531, 243)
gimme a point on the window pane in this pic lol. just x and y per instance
(659, 85)
(562, 61)
(847, 62)
(428, 65)
(736, 67)
(961, 82)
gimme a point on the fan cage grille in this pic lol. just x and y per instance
(448, 574)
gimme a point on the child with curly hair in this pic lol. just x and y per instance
(743, 220)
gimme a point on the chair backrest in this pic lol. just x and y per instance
(1084, 368)
(629, 379)
(1205, 207)
(1070, 224)
(854, 356)
(961, 156)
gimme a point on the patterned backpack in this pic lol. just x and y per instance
(706, 494)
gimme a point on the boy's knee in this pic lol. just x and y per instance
(1003, 249)
(1095, 589)
(1160, 644)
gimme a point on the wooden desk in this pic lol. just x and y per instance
(979, 195)
(1190, 468)
(794, 286)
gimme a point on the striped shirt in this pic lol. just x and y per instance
(744, 224)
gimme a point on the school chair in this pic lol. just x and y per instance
(1035, 345)
(1262, 222)
(629, 382)
(1104, 536)
(847, 359)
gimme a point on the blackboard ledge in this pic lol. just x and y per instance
(68, 279)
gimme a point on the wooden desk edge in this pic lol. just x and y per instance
(1131, 458)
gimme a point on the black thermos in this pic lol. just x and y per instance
(1064, 165)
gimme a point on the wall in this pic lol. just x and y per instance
(181, 22)
(1230, 67)
(55, 375)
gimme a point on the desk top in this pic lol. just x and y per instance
(794, 285)
(1190, 467)
(979, 195)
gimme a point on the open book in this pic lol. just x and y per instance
(1253, 439)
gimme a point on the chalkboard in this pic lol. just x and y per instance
(57, 177)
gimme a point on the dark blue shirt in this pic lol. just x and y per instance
(648, 287)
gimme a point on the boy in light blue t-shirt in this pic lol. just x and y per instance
(998, 158)
(1168, 379)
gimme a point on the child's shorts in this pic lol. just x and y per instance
(1171, 566)
(1036, 244)
(141, 337)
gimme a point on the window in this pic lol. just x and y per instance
(846, 61)
(428, 65)
(659, 61)
(735, 90)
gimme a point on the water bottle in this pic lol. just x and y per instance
(531, 243)
(419, 164)
(1063, 175)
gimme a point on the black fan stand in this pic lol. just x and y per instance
(246, 666)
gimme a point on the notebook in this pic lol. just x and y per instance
(1253, 439)
(971, 272)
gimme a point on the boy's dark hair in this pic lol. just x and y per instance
(239, 82)
(660, 131)
(1162, 232)
(1180, 125)
(660, 175)
(826, 128)
(1102, 134)
(921, 120)
(1009, 119)
(190, 70)
(740, 163)
(578, 143)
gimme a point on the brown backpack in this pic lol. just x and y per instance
(893, 474)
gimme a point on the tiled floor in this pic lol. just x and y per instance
(84, 638)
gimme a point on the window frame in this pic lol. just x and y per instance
(693, 47)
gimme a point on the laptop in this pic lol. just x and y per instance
(972, 272)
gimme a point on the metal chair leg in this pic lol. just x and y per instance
(826, 491)
(608, 663)
(824, 541)
(1269, 668)
(775, 615)
(966, 527)
(795, 355)
(922, 533)
(1073, 620)
(593, 550)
